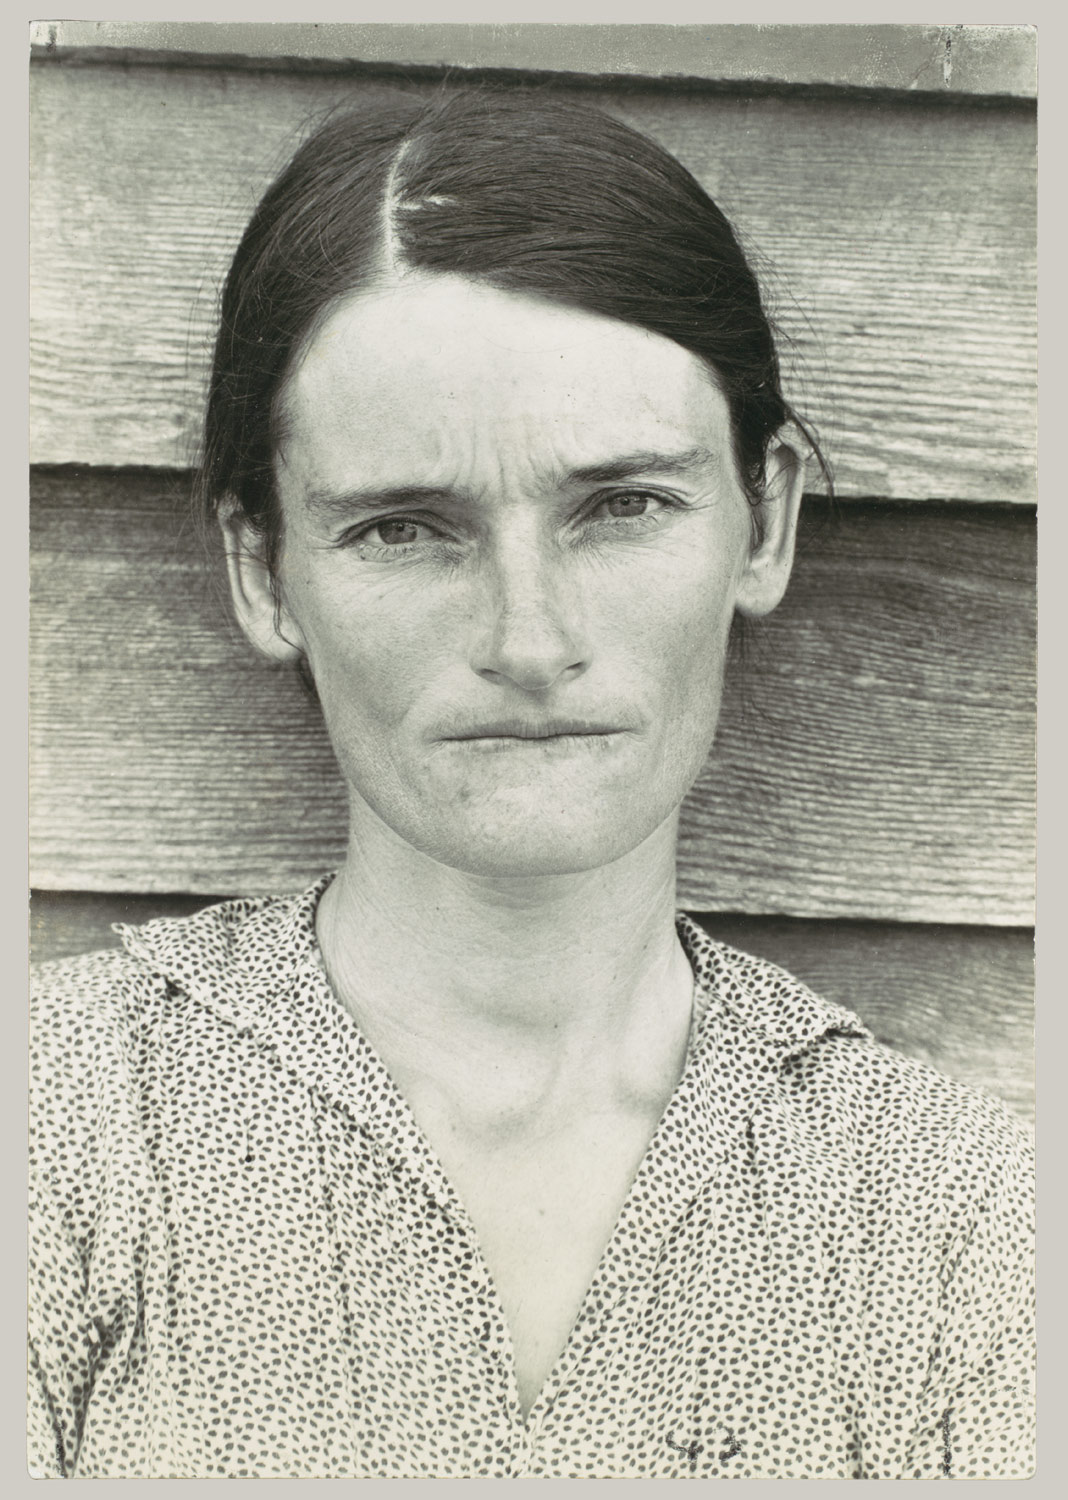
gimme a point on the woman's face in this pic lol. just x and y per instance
(514, 541)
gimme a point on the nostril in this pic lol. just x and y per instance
(533, 646)
(531, 676)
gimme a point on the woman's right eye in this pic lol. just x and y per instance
(394, 533)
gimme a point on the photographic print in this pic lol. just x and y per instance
(532, 805)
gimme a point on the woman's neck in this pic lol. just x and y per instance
(505, 1002)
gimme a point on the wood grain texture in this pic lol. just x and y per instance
(959, 998)
(875, 757)
(951, 60)
(896, 241)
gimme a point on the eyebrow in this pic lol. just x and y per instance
(327, 502)
(632, 465)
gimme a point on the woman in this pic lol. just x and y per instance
(475, 1159)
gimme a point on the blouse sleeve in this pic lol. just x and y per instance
(43, 1457)
(979, 1415)
(83, 1203)
(60, 1349)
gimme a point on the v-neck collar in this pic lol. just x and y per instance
(256, 965)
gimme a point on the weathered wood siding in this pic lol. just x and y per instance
(943, 61)
(867, 815)
(895, 238)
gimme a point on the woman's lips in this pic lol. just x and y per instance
(532, 737)
(523, 729)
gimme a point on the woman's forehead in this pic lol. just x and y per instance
(433, 372)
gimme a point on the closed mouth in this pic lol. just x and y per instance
(551, 729)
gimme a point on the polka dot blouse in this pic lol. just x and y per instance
(246, 1260)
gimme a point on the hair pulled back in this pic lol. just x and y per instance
(526, 193)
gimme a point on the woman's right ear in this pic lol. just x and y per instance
(257, 603)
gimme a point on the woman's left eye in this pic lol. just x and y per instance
(398, 533)
(631, 504)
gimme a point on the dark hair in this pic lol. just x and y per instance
(524, 192)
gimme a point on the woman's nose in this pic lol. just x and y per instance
(528, 629)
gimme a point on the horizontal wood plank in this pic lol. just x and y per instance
(950, 60)
(64, 923)
(875, 757)
(896, 240)
(959, 998)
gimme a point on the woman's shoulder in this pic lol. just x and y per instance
(93, 1015)
(916, 1140)
(213, 948)
(892, 1091)
(97, 1021)
(911, 1157)
(83, 1005)
(834, 1073)
(108, 987)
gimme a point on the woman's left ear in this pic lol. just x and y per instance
(767, 570)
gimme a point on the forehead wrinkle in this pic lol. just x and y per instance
(325, 501)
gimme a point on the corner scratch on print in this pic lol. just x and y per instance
(947, 54)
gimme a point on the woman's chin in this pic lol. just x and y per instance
(533, 842)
